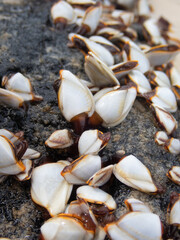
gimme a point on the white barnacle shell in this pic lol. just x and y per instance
(123, 68)
(64, 10)
(11, 99)
(20, 85)
(142, 83)
(161, 138)
(65, 226)
(135, 205)
(173, 146)
(133, 52)
(91, 18)
(161, 54)
(31, 154)
(159, 97)
(60, 139)
(96, 196)
(114, 106)
(106, 43)
(125, 16)
(108, 32)
(101, 177)
(49, 189)
(135, 174)
(11, 136)
(153, 31)
(92, 141)
(87, 45)
(167, 121)
(174, 75)
(159, 78)
(98, 72)
(91, 86)
(9, 164)
(81, 169)
(74, 97)
(26, 174)
(136, 225)
(174, 210)
(174, 174)
(143, 7)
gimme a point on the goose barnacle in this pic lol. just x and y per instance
(135, 205)
(49, 189)
(174, 209)
(174, 174)
(135, 174)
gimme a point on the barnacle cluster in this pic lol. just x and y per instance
(128, 54)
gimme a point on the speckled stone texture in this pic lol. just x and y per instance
(29, 43)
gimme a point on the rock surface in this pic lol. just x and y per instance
(29, 43)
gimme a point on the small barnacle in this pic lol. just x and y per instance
(135, 174)
(26, 174)
(114, 106)
(173, 146)
(20, 85)
(75, 100)
(123, 68)
(174, 76)
(135, 205)
(101, 177)
(81, 169)
(165, 119)
(174, 174)
(49, 189)
(158, 78)
(65, 226)
(60, 139)
(86, 45)
(62, 13)
(141, 82)
(161, 138)
(136, 225)
(11, 99)
(90, 20)
(159, 95)
(174, 210)
(96, 196)
(161, 54)
(10, 155)
(98, 72)
(92, 141)
(124, 16)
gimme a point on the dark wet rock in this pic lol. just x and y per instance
(29, 43)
